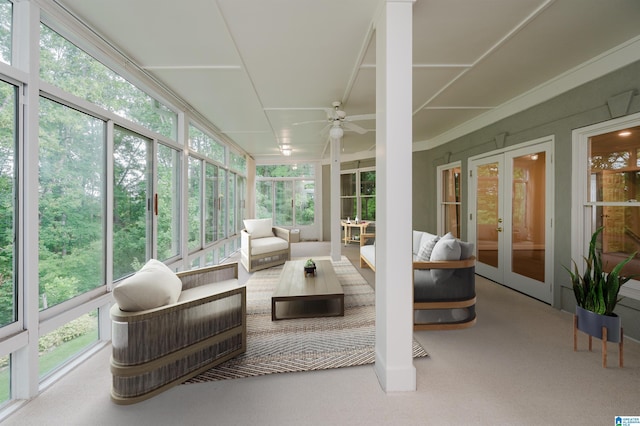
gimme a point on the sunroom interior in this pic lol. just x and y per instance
(134, 131)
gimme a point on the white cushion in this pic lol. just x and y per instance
(154, 285)
(466, 249)
(418, 238)
(259, 228)
(448, 236)
(369, 253)
(445, 249)
(268, 245)
(426, 248)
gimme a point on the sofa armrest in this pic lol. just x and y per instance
(208, 275)
(281, 233)
(365, 237)
(245, 241)
(445, 264)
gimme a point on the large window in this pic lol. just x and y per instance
(211, 203)
(358, 194)
(449, 198)
(614, 192)
(167, 203)
(6, 26)
(237, 162)
(106, 181)
(607, 185)
(195, 204)
(72, 196)
(66, 66)
(131, 202)
(8, 194)
(286, 193)
(205, 145)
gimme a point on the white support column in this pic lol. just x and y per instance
(336, 228)
(394, 276)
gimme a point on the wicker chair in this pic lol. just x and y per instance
(158, 348)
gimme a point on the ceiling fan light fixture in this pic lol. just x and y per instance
(336, 132)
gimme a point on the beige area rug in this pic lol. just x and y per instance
(304, 344)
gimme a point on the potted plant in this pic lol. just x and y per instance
(596, 293)
(309, 267)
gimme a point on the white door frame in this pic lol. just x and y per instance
(503, 274)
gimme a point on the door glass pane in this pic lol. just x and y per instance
(8, 206)
(71, 203)
(195, 175)
(131, 194)
(487, 213)
(264, 199)
(242, 187)
(210, 203)
(168, 202)
(284, 203)
(231, 197)
(528, 216)
(305, 202)
(222, 204)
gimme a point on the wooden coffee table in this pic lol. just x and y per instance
(297, 296)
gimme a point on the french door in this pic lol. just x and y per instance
(510, 217)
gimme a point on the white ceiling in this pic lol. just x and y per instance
(255, 67)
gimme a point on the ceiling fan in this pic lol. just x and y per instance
(338, 118)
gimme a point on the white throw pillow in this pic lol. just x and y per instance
(466, 249)
(154, 285)
(426, 248)
(445, 249)
(259, 228)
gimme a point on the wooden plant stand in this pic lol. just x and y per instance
(604, 343)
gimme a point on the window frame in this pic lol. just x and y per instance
(581, 224)
(358, 197)
(441, 203)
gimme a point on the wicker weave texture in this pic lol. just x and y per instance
(162, 347)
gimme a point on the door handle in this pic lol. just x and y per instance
(499, 229)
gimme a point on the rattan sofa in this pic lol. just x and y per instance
(444, 292)
(155, 349)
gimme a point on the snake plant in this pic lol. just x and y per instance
(596, 290)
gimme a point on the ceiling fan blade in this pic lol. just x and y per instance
(308, 122)
(325, 131)
(361, 117)
(354, 127)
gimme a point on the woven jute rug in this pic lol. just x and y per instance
(304, 344)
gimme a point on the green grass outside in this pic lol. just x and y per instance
(49, 361)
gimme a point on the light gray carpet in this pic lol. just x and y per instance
(304, 344)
